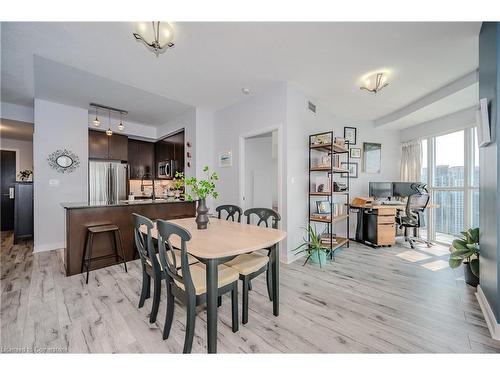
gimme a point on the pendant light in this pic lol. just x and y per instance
(109, 132)
(96, 122)
(120, 125)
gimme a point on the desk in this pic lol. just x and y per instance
(219, 243)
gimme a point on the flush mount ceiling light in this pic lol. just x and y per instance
(374, 82)
(157, 35)
(96, 122)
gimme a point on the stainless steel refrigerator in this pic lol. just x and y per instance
(107, 181)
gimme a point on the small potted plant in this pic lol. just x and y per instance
(316, 251)
(201, 189)
(178, 184)
(465, 250)
(25, 175)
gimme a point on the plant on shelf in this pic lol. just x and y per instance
(466, 250)
(316, 251)
(25, 175)
(202, 189)
(178, 183)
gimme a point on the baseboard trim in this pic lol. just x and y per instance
(48, 247)
(491, 321)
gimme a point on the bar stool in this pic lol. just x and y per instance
(117, 240)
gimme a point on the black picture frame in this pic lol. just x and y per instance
(323, 207)
(353, 151)
(347, 139)
(348, 166)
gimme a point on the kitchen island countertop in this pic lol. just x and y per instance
(121, 203)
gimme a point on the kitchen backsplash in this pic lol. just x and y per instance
(161, 187)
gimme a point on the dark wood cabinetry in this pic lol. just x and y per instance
(171, 148)
(102, 146)
(23, 211)
(141, 158)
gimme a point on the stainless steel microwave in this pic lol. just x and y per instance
(166, 169)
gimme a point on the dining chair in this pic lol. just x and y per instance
(151, 266)
(231, 211)
(249, 266)
(187, 282)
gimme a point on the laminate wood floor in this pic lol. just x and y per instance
(387, 300)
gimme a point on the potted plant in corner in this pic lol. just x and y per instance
(202, 189)
(316, 251)
(466, 250)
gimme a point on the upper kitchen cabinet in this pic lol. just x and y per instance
(141, 157)
(102, 146)
(171, 148)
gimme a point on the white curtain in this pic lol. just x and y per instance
(411, 161)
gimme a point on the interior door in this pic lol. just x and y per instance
(8, 168)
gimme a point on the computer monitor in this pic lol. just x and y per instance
(404, 189)
(380, 189)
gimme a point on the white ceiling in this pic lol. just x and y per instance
(211, 62)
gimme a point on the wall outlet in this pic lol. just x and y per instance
(53, 183)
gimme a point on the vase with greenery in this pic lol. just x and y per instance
(465, 250)
(312, 246)
(201, 189)
(178, 184)
(25, 175)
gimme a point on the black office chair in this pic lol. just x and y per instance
(415, 209)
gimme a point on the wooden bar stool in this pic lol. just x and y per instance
(117, 240)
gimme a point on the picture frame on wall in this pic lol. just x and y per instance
(350, 135)
(355, 153)
(372, 157)
(352, 167)
(225, 159)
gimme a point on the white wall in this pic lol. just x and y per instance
(24, 152)
(16, 112)
(259, 172)
(57, 126)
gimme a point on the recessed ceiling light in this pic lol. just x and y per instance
(245, 91)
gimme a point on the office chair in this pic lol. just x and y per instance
(416, 204)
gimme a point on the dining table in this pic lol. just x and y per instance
(222, 241)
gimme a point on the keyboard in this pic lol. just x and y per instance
(392, 203)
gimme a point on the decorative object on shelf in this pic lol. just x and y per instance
(188, 144)
(188, 154)
(375, 82)
(202, 189)
(63, 161)
(352, 167)
(321, 139)
(323, 207)
(178, 183)
(97, 123)
(158, 36)
(355, 153)
(465, 250)
(350, 135)
(340, 142)
(339, 187)
(372, 157)
(313, 247)
(225, 159)
(189, 164)
(25, 175)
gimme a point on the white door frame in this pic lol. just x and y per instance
(279, 129)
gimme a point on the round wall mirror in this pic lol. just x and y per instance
(64, 161)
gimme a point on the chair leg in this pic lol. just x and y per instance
(146, 285)
(120, 242)
(170, 311)
(249, 284)
(89, 257)
(219, 301)
(190, 321)
(234, 307)
(269, 281)
(244, 306)
(156, 300)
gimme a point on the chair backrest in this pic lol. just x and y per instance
(263, 214)
(144, 242)
(167, 257)
(231, 210)
(417, 202)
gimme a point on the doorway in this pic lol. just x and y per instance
(260, 171)
(8, 168)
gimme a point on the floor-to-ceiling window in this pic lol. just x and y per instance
(450, 167)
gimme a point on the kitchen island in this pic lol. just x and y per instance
(79, 216)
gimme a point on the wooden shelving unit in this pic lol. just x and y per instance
(331, 149)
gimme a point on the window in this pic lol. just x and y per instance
(450, 167)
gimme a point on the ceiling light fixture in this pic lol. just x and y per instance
(120, 125)
(245, 91)
(375, 83)
(96, 122)
(109, 132)
(155, 35)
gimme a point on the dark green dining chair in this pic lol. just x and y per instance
(249, 266)
(231, 211)
(187, 282)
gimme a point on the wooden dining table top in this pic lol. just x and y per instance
(223, 238)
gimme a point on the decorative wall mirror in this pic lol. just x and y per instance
(63, 161)
(372, 157)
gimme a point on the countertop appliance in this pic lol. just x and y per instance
(107, 181)
(166, 169)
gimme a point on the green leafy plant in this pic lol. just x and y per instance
(202, 188)
(466, 250)
(25, 174)
(312, 244)
(178, 180)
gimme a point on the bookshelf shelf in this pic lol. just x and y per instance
(332, 152)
